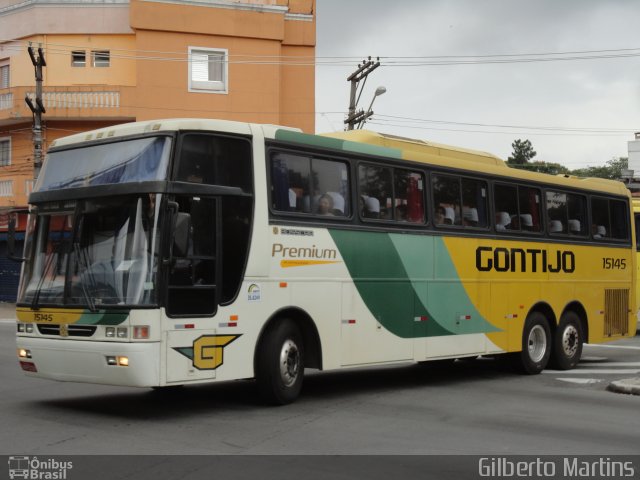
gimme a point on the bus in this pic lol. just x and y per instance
(184, 251)
(636, 216)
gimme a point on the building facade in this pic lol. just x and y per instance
(115, 61)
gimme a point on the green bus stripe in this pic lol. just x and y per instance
(337, 144)
(401, 277)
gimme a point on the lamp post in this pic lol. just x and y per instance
(379, 91)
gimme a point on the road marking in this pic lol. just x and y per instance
(592, 371)
(581, 381)
(7, 320)
(599, 345)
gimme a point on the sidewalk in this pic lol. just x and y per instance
(7, 311)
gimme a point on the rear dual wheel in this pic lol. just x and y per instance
(567, 342)
(536, 345)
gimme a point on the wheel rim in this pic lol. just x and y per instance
(570, 340)
(289, 363)
(537, 343)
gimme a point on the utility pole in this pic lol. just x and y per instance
(37, 110)
(361, 73)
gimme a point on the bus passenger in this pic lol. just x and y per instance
(371, 208)
(325, 205)
(502, 221)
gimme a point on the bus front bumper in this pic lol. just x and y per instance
(108, 363)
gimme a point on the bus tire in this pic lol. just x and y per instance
(567, 342)
(280, 363)
(536, 345)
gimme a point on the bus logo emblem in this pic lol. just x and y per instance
(207, 352)
(64, 330)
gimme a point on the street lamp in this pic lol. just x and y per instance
(379, 91)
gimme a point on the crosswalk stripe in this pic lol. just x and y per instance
(592, 371)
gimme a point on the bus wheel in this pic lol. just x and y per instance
(280, 363)
(567, 344)
(536, 343)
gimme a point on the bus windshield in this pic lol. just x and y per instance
(96, 253)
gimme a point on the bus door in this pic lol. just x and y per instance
(192, 286)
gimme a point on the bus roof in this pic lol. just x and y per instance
(357, 141)
(393, 146)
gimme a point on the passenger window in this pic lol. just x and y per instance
(376, 192)
(474, 203)
(600, 224)
(409, 196)
(391, 194)
(619, 219)
(567, 213)
(309, 185)
(215, 160)
(446, 199)
(517, 208)
(529, 209)
(506, 208)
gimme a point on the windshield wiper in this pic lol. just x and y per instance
(81, 255)
(45, 272)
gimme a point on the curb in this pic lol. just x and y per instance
(629, 386)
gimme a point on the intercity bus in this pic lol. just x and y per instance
(185, 251)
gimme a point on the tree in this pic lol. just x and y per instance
(523, 152)
(612, 170)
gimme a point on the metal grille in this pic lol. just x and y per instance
(616, 312)
(72, 330)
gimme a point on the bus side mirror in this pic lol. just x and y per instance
(181, 231)
(11, 240)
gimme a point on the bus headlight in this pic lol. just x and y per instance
(24, 353)
(122, 332)
(110, 332)
(20, 327)
(120, 361)
(29, 327)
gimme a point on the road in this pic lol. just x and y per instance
(470, 407)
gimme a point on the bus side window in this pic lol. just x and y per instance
(600, 223)
(215, 160)
(446, 199)
(530, 212)
(505, 205)
(474, 203)
(409, 196)
(376, 192)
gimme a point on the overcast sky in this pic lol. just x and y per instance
(602, 94)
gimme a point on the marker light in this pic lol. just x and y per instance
(141, 332)
(110, 332)
(119, 361)
(122, 332)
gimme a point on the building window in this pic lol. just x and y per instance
(4, 74)
(100, 58)
(28, 186)
(207, 70)
(6, 188)
(78, 58)
(5, 152)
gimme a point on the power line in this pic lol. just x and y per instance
(389, 61)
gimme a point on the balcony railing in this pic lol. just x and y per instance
(70, 99)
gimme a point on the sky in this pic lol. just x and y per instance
(584, 110)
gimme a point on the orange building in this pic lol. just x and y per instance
(119, 61)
